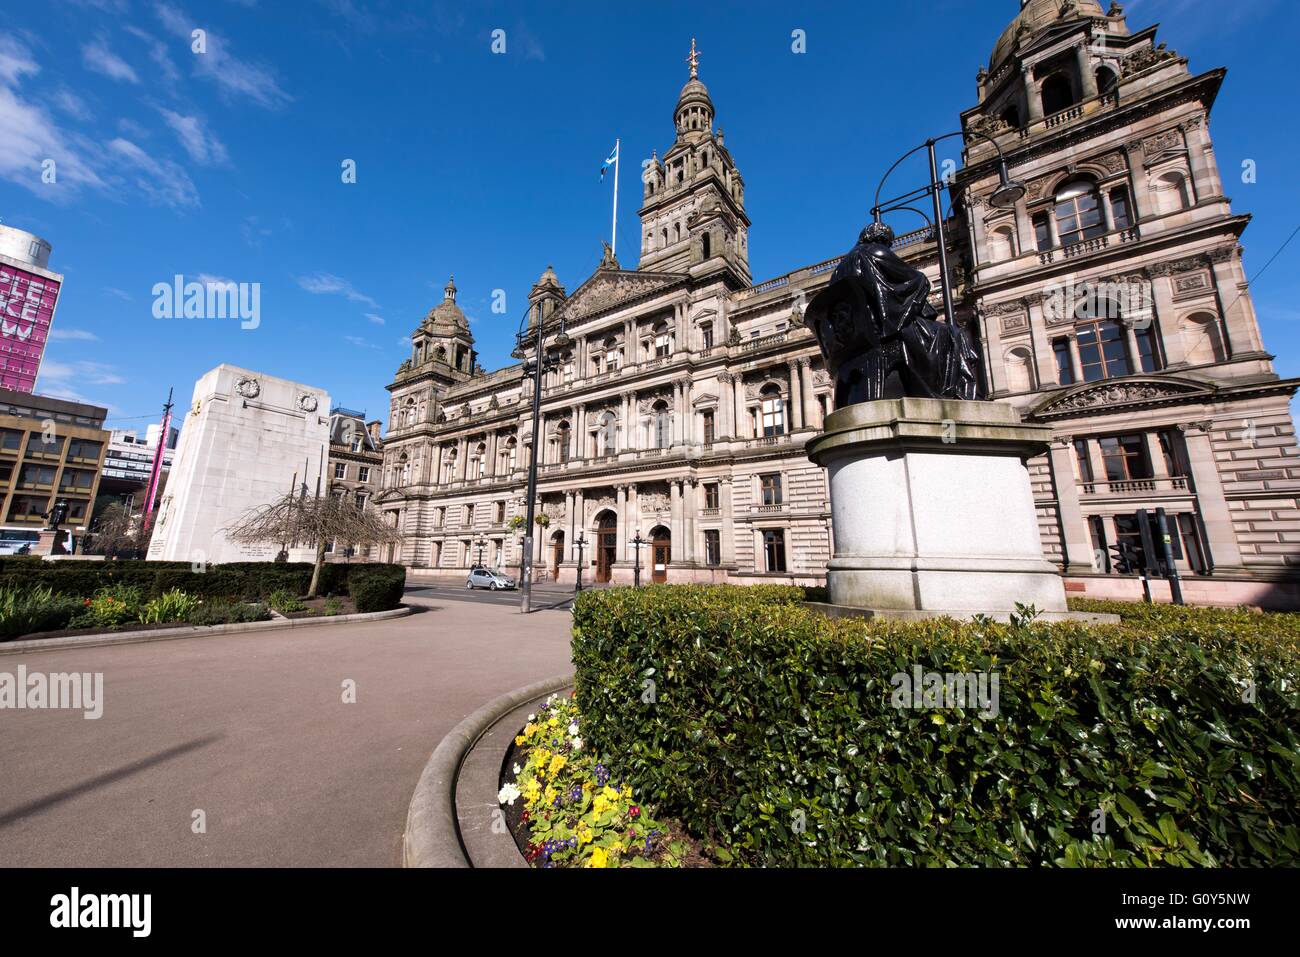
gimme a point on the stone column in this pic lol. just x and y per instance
(462, 458)
(579, 524)
(738, 399)
(1139, 191)
(809, 394)
(690, 511)
(1221, 544)
(676, 526)
(796, 398)
(569, 516)
(437, 469)
(1159, 469)
(493, 436)
(1087, 77)
(1076, 542)
(1239, 321)
(726, 407)
(1033, 101)
(688, 414)
(1171, 336)
(1205, 170)
(728, 523)
(620, 509)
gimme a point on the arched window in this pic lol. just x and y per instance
(480, 459)
(663, 340)
(405, 469)
(562, 435)
(1202, 338)
(440, 354)
(1058, 94)
(1020, 370)
(1106, 80)
(449, 466)
(1078, 212)
(772, 410)
(677, 227)
(607, 435)
(508, 455)
(663, 237)
(706, 245)
(1011, 116)
(612, 355)
(661, 424)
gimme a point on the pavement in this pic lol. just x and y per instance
(544, 595)
(252, 731)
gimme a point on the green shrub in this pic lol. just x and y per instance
(285, 601)
(27, 610)
(235, 581)
(378, 590)
(333, 606)
(174, 605)
(224, 613)
(773, 730)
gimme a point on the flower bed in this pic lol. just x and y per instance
(570, 812)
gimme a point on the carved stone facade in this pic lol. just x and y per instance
(682, 408)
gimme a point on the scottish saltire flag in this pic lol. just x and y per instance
(613, 158)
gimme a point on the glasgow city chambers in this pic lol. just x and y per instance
(1110, 304)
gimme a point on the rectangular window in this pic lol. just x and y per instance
(1064, 361)
(360, 500)
(1146, 343)
(340, 470)
(1119, 208)
(37, 444)
(707, 331)
(663, 347)
(1127, 532)
(1101, 351)
(469, 514)
(774, 550)
(1125, 457)
(1084, 460)
(10, 440)
(770, 488)
(27, 507)
(1186, 529)
(501, 513)
(1097, 532)
(712, 547)
(1042, 232)
(440, 518)
(76, 479)
(711, 495)
(84, 449)
(709, 436)
(36, 475)
(363, 473)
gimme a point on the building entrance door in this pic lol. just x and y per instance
(661, 553)
(606, 546)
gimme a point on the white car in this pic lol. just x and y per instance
(486, 578)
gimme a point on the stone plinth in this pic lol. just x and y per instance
(51, 542)
(932, 509)
(246, 439)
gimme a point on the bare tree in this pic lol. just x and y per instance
(293, 520)
(116, 532)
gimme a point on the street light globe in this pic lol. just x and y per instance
(1009, 191)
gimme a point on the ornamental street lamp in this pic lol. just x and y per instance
(535, 336)
(480, 543)
(636, 569)
(579, 543)
(1008, 193)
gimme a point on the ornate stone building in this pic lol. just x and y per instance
(1111, 303)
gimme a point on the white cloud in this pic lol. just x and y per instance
(234, 77)
(359, 342)
(162, 180)
(70, 103)
(158, 53)
(327, 284)
(83, 335)
(118, 293)
(377, 320)
(68, 375)
(30, 136)
(98, 58)
(202, 145)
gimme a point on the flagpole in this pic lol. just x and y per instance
(613, 244)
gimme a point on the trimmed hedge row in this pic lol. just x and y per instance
(236, 581)
(1167, 740)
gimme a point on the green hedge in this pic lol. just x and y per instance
(772, 731)
(235, 581)
(379, 588)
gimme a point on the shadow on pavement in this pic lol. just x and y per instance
(135, 767)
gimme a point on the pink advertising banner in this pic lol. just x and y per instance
(27, 302)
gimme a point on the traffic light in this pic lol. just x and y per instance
(1126, 558)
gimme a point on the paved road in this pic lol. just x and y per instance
(252, 730)
(544, 596)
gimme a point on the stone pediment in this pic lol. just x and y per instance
(1108, 395)
(610, 288)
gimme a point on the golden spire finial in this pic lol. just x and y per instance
(694, 60)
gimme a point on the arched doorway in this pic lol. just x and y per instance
(660, 554)
(606, 545)
(557, 554)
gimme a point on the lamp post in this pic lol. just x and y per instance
(1008, 193)
(579, 543)
(534, 336)
(481, 544)
(636, 568)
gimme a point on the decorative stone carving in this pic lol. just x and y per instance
(1142, 59)
(1168, 140)
(1191, 285)
(248, 387)
(1112, 394)
(308, 402)
(988, 125)
(1113, 162)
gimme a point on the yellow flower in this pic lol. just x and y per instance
(557, 764)
(610, 794)
(520, 740)
(548, 797)
(627, 792)
(598, 858)
(600, 805)
(552, 723)
(531, 790)
(616, 848)
(585, 835)
(541, 756)
(529, 729)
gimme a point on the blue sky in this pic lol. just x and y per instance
(228, 163)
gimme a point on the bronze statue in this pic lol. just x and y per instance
(57, 515)
(881, 337)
